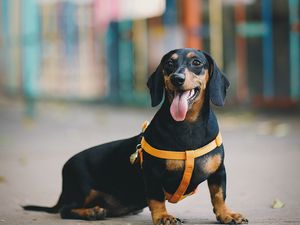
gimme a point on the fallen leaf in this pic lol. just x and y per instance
(277, 204)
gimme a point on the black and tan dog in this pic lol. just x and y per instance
(101, 181)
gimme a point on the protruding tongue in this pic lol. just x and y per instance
(179, 106)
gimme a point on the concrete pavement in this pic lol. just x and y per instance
(262, 161)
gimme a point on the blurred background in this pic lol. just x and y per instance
(104, 50)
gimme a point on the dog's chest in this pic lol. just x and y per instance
(203, 167)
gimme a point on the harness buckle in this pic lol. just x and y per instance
(134, 156)
(138, 146)
(138, 149)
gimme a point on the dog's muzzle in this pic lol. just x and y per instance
(177, 79)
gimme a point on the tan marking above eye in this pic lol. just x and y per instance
(174, 56)
(190, 55)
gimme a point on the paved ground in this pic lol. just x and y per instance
(262, 159)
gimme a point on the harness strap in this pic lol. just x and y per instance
(164, 154)
(189, 157)
(186, 178)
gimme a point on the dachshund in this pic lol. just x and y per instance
(103, 182)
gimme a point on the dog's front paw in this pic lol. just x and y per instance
(231, 218)
(168, 220)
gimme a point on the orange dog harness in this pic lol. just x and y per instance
(189, 157)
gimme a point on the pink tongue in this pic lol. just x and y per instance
(179, 106)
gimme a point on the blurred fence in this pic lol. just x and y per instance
(58, 49)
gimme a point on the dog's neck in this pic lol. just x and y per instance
(166, 133)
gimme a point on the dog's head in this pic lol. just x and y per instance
(185, 75)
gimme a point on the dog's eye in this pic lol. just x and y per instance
(169, 66)
(196, 62)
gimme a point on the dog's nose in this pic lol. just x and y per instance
(177, 79)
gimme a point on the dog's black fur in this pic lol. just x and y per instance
(101, 181)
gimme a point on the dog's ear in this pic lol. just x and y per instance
(218, 83)
(156, 86)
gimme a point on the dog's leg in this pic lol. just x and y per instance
(96, 206)
(72, 212)
(160, 215)
(217, 188)
(156, 203)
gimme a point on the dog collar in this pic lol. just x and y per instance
(188, 155)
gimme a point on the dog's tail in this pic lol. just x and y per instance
(54, 209)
